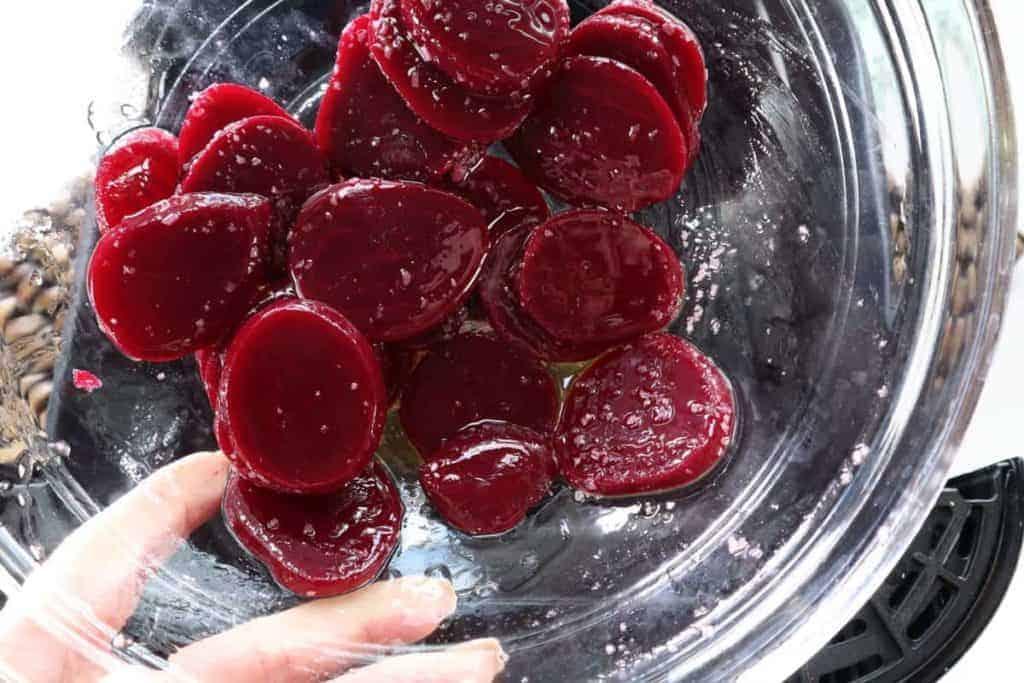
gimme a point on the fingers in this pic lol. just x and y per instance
(477, 662)
(324, 637)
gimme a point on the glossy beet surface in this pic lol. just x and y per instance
(317, 546)
(140, 170)
(496, 47)
(475, 377)
(396, 258)
(496, 187)
(594, 276)
(654, 415)
(180, 275)
(365, 128)
(303, 398)
(603, 135)
(433, 94)
(216, 108)
(484, 479)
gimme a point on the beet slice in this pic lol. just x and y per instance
(603, 135)
(396, 258)
(475, 377)
(318, 546)
(496, 187)
(396, 365)
(180, 275)
(303, 397)
(216, 108)
(443, 333)
(431, 93)
(491, 48)
(592, 276)
(651, 416)
(365, 129)
(486, 478)
(139, 171)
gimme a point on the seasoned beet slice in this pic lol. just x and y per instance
(484, 479)
(396, 365)
(434, 95)
(365, 128)
(475, 377)
(492, 48)
(318, 546)
(215, 109)
(593, 276)
(396, 258)
(139, 171)
(303, 397)
(603, 135)
(180, 275)
(651, 416)
(496, 187)
(441, 334)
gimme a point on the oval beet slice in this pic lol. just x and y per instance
(486, 478)
(365, 128)
(492, 48)
(318, 546)
(475, 377)
(303, 398)
(603, 135)
(396, 258)
(139, 171)
(651, 416)
(180, 275)
(593, 276)
(431, 93)
(496, 187)
(216, 108)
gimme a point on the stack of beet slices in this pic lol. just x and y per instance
(321, 278)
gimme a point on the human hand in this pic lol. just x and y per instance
(60, 626)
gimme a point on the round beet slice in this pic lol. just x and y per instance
(592, 276)
(475, 377)
(180, 275)
(139, 171)
(365, 128)
(396, 258)
(303, 397)
(431, 93)
(318, 546)
(496, 187)
(216, 108)
(603, 135)
(484, 479)
(651, 416)
(493, 48)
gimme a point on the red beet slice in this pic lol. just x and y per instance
(216, 108)
(492, 48)
(396, 258)
(651, 416)
(431, 93)
(365, 128)
(603, 135)
(139, 171)
(441, 334)
(180, 275)
(593, 276)
(303, 398)
(496, 187)
(476, 377)
(396, 365)
(484, 479)
(318, 546)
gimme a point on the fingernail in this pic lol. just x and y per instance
(486, 646)
(437, 594)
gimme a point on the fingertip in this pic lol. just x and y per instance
(437, 593)
(492, 655)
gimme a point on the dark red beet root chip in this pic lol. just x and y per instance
(441, 334)
(179, 276)
(603, 135)
(303, 397)
(431, 93)
(592, 276)
(484, 479)
(396, 365)
(396, 258)
(496, 187)
(476, 377)
(318, 546)
(492, 48)
(139, 171)
(215, 109)
(366, 130)
(651, 416)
